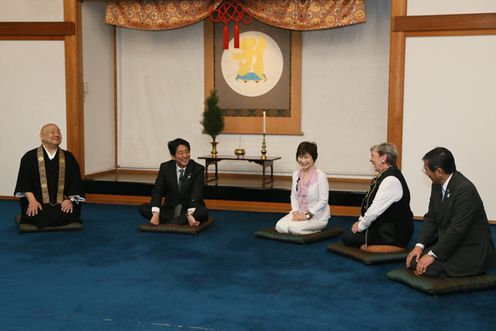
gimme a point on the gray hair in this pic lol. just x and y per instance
(389, 149)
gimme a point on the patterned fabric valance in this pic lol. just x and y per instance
(307, 14)
(287, 14)
(158, 14)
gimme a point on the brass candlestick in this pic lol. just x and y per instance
(264, 150)
(214, 148)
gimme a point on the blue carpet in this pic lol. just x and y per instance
(112, 277)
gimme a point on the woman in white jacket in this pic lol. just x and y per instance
(309, 195)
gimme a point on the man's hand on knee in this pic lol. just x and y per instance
(33, 208)
(191, 220)
(422, 265)
(155, 220)
(415, 253)
(66, 206)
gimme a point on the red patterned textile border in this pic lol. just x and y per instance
(307, 14)
(287, 14)
(158, 14)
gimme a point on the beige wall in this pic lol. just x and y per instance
(31, 10)
(98, 67)
(444, 7)
(32, 85)
(32, 93)
(450, 102)
(344, 97)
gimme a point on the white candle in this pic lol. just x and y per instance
(264, 122)
(239, 141)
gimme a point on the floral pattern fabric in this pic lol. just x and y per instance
(307, 14)
(287, 14)
(158, 14)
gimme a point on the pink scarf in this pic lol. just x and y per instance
(302, 187)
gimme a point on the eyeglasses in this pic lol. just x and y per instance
(426, 171)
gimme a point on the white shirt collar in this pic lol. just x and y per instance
(50, 155)
(179, 168)
(445, 185)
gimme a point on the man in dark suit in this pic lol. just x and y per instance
(181, 182)
(455, 240)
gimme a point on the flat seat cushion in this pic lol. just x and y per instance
(367, 257)
(29, 228)
(436, 286)
(381, 249)
(176, 228)
(271, 233)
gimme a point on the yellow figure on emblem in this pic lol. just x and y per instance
(251, 59)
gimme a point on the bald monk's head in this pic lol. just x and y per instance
(50, 136)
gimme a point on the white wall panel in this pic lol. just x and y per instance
(31, 10)
(32, 93)
(345, 84)
(161, 93)
(444, 7)
(450, 101)
(344, 97)
(98, 66)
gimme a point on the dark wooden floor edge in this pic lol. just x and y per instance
(235, 205)
(268, 207)
(331, 179)
(6, 197)
(236, 193)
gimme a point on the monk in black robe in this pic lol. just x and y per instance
(49, 183)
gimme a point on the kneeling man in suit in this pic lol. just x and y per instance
(455, 240)
(181, 182)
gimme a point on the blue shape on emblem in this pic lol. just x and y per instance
(251, 76)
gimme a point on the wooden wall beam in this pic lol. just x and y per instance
(396, 81)
(444, 22)
(74, 82)
(60, 29)
(450, 33)
(116, 100)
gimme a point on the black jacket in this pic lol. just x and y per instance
(456, 229)
(166, 185)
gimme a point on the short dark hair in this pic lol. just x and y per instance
(307, 147)
(441, 158)
(174, 144)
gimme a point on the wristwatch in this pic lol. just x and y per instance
(308, 215)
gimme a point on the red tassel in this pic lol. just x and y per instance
(236, 36)
(230, 11)
(226, 37)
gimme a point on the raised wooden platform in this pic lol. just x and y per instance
(229, 192)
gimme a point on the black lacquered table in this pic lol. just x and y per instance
(267, 162)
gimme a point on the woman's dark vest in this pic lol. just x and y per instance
(395, 225)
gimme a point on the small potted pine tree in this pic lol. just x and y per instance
(212, 119)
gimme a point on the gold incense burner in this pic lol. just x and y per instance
(239, 152)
